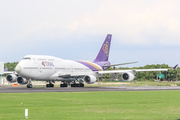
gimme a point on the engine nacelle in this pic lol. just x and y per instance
(90, 79)
(128, 77)
(21, 80)
(11, 78)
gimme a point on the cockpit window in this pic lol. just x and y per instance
(26, 58)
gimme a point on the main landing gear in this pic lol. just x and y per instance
(63, 85)
(74, 84)
(80, 81)
(77, 85)
(50, 84)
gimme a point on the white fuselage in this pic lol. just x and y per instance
(37, 67)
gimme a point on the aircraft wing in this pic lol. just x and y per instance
(134, 71)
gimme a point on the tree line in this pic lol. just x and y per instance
(170, 75)
(10, 66)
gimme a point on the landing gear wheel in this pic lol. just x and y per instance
(81, 85)
(63, 85)
(77, 85)
(29, 85)
(73, 85)
(49, 85)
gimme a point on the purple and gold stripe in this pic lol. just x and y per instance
(90, 65)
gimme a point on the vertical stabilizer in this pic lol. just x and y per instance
(103, 54)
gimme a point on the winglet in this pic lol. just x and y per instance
(175, 66)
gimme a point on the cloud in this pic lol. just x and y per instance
(140, 22)
(44, 26)
(136, 22)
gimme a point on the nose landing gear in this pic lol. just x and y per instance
(29, 85)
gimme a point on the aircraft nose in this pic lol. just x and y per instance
(18, 69)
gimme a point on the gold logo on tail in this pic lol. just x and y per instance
(106, 48)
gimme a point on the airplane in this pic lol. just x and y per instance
(69, 72)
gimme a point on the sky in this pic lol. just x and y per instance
(147, 31)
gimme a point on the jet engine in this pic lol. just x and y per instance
(90, 79)
(127, 76)
(11, 78)
(21, 80)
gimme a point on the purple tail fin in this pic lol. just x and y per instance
(6, 69)
(104, 51)
(175, 66)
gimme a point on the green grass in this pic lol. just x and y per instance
(133, 105)
(147, 83)
(134, 83)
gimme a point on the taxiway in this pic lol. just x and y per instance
(85, 89)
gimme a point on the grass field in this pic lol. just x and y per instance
(133, 105)
(134, 83)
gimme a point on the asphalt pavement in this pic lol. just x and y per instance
(84, 89)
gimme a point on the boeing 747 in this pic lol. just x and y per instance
(70, 72)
